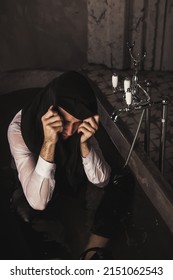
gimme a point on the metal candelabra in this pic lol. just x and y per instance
(136, 96)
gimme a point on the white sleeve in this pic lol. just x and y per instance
(96, 168)
(36, 177)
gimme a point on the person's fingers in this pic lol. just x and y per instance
(85, 134)
(49, 113)
(56, 124)
(50, 108)
(84, 131)
(53, 119)
(92, 121)
(88, 127)
(57, 129)
(97, 118)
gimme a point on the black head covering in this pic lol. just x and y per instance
(73, 92)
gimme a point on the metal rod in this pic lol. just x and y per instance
(163, 135)
(134, 140)
(147, 122)
(147, 131)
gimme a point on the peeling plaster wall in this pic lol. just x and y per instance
(111, 23)
(42, 34)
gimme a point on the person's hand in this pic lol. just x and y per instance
(52, 125)
(88, 128)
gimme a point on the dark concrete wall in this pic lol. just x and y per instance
(42, 34)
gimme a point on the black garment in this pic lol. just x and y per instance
(115, 205)
(73, 92)
(111, 212)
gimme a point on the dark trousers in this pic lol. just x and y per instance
(95, 210)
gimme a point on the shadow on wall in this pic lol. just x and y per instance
(43, 34)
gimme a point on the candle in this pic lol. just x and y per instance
(128, 97)
(127, 84)
(114, 80)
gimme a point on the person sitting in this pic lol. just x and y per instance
(56, 153)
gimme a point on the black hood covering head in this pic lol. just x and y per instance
(73, 92)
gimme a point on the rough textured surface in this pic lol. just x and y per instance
(60, 34)
(112, 23)
(42, 34)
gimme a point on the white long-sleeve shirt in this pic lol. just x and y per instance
(37, 176)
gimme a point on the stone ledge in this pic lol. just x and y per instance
(149, 177)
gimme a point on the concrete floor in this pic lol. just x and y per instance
(145, 237)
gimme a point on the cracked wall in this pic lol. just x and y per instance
(113, 23)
